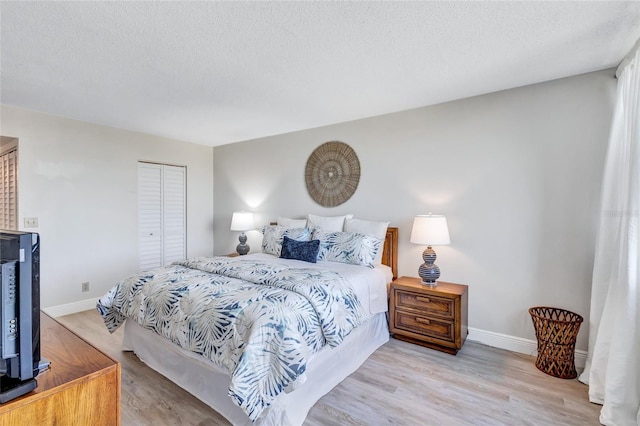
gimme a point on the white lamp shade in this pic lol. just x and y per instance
(242, 221)
(430, 229)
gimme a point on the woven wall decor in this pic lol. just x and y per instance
(332, 173)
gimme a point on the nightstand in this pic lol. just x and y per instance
(435, 317)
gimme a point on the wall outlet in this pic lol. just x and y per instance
(85, 286)
(30, 222)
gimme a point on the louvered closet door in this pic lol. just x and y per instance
(174, 214)
(149, 215)
(9, 190)
(161, 214)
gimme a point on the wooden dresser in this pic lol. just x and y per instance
(435, 317)
(82, 386)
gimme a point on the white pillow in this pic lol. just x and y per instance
(327, 223)
(291, 223)
(368, 227)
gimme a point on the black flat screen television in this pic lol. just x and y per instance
(19, 313)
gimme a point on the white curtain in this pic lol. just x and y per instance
(612, 370)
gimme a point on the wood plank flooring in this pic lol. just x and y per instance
(400, 384)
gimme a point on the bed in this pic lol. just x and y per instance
(269, 371)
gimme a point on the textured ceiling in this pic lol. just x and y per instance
(220, 72)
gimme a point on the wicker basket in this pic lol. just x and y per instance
(556, 331)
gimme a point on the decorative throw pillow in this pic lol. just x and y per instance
(292, 223)
(348, 247)
(379, 229)
(327, 223)
(273, 235)
(300, 250)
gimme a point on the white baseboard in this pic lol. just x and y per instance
(71, 308)
(516, 344)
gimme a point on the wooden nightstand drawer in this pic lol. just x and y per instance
(436, 328)
(435, 317)
(441, 306)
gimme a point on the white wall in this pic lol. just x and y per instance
(517, 173)
(80, 180)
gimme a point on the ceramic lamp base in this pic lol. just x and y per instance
(429, 271)
(243, 247)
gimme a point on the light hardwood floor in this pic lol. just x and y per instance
(400, 384)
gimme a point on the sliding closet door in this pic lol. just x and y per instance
(161, 214)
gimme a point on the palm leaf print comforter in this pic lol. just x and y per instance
(260, 322)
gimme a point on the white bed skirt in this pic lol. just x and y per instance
(205, 381)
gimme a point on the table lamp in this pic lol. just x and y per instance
(242, 221)
(431, 230)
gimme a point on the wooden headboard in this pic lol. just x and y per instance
(390, 251)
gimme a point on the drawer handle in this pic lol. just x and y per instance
(423, 299)
(422, 321)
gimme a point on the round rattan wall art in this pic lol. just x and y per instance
(332, 173)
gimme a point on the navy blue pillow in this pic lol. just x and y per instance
(300, 250)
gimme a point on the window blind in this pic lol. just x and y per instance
(9, 190)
